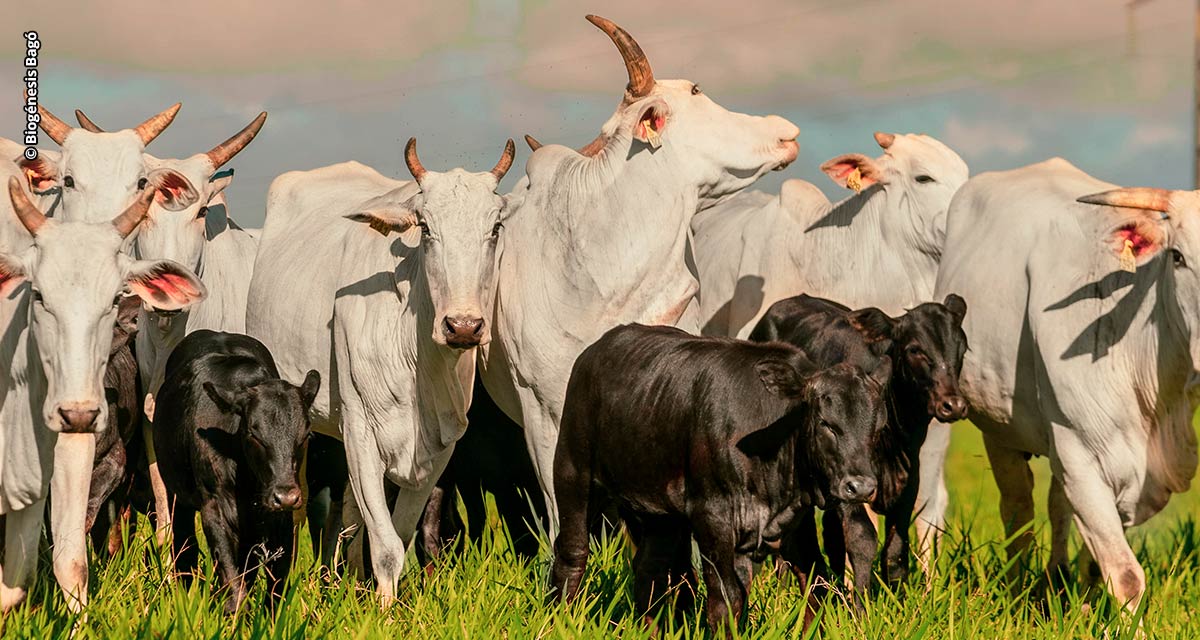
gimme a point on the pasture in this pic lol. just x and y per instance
(486, 594)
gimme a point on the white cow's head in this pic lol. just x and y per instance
(180, 234)
(917, 174)
(77, 276)
(1159, 230)
(460, 217)
(98, 173)
(683, 129)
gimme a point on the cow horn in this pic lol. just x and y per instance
(506, 160)
(55, 128)
(534, 145)
(131, 217)
(86, 122)
(1149, 198)
(413, 162)
(885, 140)
(29, 215)
(150, 129)
(225, 151)
(641, 77)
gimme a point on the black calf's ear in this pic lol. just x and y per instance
(229, 402)
(312, 384)
(874, 324)
(956, 306)
(780, 378)
(766, 442)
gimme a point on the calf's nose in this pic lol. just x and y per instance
(462, 331)
(951, 408)
(79, 419)
(857, 488)
(288, 498)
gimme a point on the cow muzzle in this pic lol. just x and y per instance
(462, 332)
(78, 417)
(949, 408)
(855, 489)
(286, 498)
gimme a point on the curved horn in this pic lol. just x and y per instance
(55, 128)
(225, 151)
(534, 145)
(1132, 197)
(885, 140)
(131, 217)
(641, 77)
(150, 129)
(413, 162)
(86, 122)
(506, 160)
(29, 215)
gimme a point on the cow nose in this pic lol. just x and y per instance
(857, 488)
(462, 331)
(79, 419)
(286, 498)
(951, 409)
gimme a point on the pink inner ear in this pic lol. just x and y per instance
(171, 183)
(39, 173)
(165, 290)
(8, 280)
(842, 170)
(1141, 243)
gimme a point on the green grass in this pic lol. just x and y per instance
(486, 594)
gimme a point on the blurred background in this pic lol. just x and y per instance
(1107, 84)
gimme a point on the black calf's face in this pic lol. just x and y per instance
(839, 413)
(274, 432)
(927, 346)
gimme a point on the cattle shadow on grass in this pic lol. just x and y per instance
(844, 213)
(1109, 328)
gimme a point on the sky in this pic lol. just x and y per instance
(1102, 83)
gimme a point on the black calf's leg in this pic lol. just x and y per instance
(862, 544)
(221, 531)
(896, 524)
(278, 545)
(573, 486)
(183, 543)
(662, 562)
(727, 574)
(835, 541)
(801, 552)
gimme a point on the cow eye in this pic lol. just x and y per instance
(924, 179)
(695, 89)
(914, 351)
(202, 213)
(69, 182)
(142, 183)
(496, 229)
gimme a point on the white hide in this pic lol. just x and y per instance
(1073, 358)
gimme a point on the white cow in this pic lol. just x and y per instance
(1085, 338)
(390, 321)
(877, 248)
(59, 292)
(203, 237)
(602, 236)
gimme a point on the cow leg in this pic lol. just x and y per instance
(1060, 531)
(73, 456)
(22, 533)
(106, 476)
(801, 551)
(862, 545)
(541, 436)
(366, 479)
(835, 541)
(932, 497)
(1015, 481)
(574, 484)
(162, 505)
(221, 532)
(1096, 514)
(280, 545)
(727, 574)
(183, 543)
(896, 523)
(655, 564)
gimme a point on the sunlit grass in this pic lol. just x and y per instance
(486, 593)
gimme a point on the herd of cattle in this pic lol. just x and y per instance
(640, 336)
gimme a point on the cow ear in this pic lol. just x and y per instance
(956, 306)
(226, 400)
(652, 122)
(765, 443)
(388, 220)
(853, 171)
(873, 324)
(41, 173)
(175, 191)
(12, 274)
(1138, 240)
(312, 384)
(165, 285)
(780, 378)
(219, 181)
